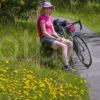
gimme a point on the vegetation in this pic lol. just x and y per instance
(24, 71)
(24, 77)
(27, 81)
(89, 20)
(10, 9)
(24, 9)
(88, 12)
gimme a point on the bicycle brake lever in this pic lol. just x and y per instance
(80, 24)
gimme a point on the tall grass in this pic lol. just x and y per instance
(23, 76)
(22, 35)
(88, 14)
(24, 71)
(21, 41)
(26, 80)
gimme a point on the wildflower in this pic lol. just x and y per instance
(7, 61)
(40, 93)
(15, 71)
(26, 93)
(42, 85)
(61, 94)
(83, 81)
(82, 92)
(1, 87)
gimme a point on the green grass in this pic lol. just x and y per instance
(24, 77)
(20, 39)
(27, 80)
(88, 17)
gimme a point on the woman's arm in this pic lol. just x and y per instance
(44, 30)
(55, 32)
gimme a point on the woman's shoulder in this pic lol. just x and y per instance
(41, 17)
(51, 18)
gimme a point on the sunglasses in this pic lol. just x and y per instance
(52, 8)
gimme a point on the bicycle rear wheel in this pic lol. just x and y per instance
(82, 51)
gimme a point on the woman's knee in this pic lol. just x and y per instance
(71, 44)
(63, 46)
(68, 42)
(57, 44)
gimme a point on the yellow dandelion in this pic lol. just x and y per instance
(15, 71)
(82, 92)
(61, 94)
(70, 95)
(83, 81)
(40, 93)
(34, 97)
(4, 71)
(7, 61)
(42, 85)
(42, 89)
(26, 93)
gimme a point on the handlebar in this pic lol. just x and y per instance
(78, 22)
(58, 24)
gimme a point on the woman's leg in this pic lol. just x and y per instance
(70, 47)
(64, 47)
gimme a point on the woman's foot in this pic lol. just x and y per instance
(67, 68)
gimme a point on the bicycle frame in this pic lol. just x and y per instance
(65, 28)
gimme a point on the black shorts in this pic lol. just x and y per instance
(47, 42)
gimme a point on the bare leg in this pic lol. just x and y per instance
(64, 48)
(70, 47)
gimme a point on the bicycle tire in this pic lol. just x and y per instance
(80, 47)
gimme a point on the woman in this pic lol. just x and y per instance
(49, 37)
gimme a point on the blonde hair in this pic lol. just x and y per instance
(39, 11)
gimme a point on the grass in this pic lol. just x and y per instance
(27, 81)
(22, 36)
(89, 16)
(23, 77)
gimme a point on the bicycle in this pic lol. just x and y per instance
(80, 47)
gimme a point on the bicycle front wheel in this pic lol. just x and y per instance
(82, 51)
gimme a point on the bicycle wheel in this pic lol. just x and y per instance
(82, 51)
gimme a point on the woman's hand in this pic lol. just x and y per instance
(59, 39)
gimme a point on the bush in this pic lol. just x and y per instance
(17, 8)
